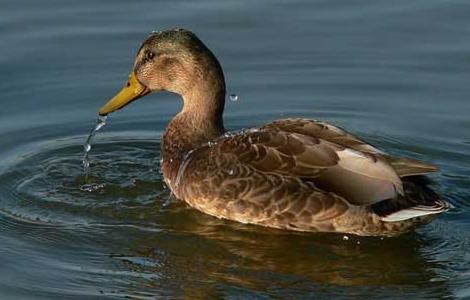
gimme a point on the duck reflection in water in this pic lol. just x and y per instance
(205, 256)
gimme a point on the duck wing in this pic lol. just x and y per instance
(359, 177)
(219, 184)
(321, 130)
(403, 166)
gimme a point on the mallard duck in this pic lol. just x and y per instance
(291, 174)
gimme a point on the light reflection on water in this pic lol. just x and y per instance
(394, 74)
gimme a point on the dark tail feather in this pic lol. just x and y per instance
(419, 200)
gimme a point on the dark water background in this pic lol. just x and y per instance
(394, 72)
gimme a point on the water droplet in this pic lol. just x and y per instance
(231, 172)
(345, 237)
(182, 168)
(168, 200)
(233, 97)
(100, 122)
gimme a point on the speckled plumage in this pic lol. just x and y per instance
(270, 176)
(294, 174)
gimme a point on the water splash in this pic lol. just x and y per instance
(182, 167)
(92, 187)
(100, 122)
(168, 199)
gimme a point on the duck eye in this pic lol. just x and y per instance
(150, 55)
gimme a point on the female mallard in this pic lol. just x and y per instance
(294, 174)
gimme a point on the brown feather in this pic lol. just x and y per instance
(292, 174)
(410, 167)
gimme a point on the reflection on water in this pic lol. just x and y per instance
(395, 73)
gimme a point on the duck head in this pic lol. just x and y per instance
(175, 61)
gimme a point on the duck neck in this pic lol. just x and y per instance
(199, 122)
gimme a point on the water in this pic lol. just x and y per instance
(100, 122)
(393, 72)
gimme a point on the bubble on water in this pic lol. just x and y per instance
(233, 97)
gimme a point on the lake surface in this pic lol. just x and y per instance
(394, 72)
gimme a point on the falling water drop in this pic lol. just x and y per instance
(233, 97)
(100, 122)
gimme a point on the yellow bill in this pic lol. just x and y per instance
(132, 91)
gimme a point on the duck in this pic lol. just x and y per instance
(290, 174)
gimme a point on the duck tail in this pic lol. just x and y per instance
(419, 201)
(438, 207)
